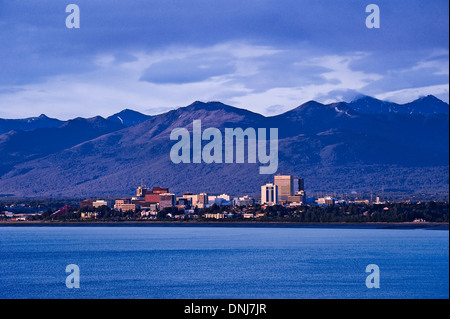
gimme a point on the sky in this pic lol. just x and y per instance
(267, 56)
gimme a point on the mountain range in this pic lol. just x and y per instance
(364, 146)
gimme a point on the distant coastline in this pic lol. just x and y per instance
(249, 224)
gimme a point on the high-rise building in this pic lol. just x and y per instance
(166, 200)
(299, 184)
(141, 191)
(269, 194)
(285, 184)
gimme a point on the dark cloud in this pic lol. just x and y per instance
(409, 78)
(36, 46)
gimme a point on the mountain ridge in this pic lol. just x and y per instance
(331, 145)
(138, 117)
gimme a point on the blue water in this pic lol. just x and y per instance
(221, 262)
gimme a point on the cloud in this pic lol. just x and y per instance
(262, 55)
(36, 44)
(436, 62)
(428, 70)
(263, 79)
(188, 70)
(346, 95)
(407, 95)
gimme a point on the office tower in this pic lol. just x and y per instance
(141, 191)
(301, 184)
(269, 194)
(285, 184)
(166, 200)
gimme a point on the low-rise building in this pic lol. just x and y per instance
(215, 216)
(244, 201)
(225, 197)
(86, 215)
(100, 202)
(89, 203)
(199, 201)
(125, 205)
(298, 199)
(328, 201)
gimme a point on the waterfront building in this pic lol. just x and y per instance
(90, 215)
(215, 216)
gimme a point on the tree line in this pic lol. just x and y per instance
(342, 213)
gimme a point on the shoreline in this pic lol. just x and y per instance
(249, 224)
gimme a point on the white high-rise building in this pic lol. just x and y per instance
(269, 194)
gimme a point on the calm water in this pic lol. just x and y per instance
(235, 263)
